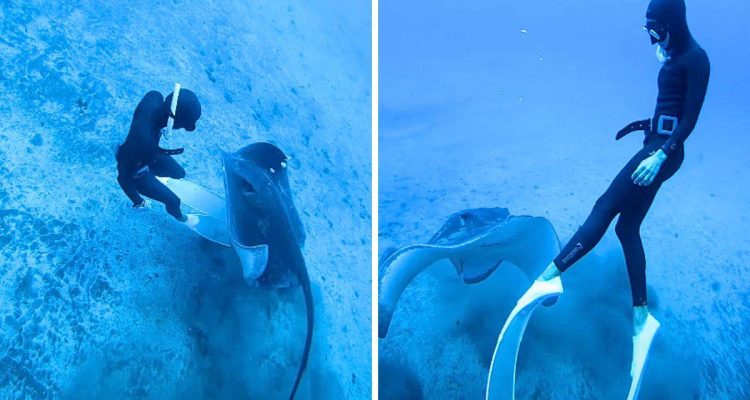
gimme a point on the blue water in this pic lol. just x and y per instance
(515, 104)
(98, 301)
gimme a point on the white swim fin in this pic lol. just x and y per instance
(501, 381)
(641, 346)
(539, 289)
(197, 197)
(208, 227)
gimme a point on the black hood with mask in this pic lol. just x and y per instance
(188, 109)
(671, 16)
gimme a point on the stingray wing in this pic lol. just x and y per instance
(530, 243)
(397, 271)
(527, 242)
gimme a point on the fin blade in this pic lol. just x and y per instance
(212, 229)
(197, 197)
(501, 380)
(641, 348)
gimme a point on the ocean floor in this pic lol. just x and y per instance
(100, 301)
(526, 120)
(697, 248)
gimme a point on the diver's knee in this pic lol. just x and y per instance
(626, 230)
(601, 202)
(179, 174)
(604, 208)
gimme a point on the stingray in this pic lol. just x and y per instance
(477, 242)
(260, 212)
(260, 221)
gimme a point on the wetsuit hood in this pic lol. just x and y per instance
(188, 109)
(671, 15)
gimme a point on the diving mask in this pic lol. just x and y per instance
(656, 31)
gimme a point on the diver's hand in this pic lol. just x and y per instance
(646, 172)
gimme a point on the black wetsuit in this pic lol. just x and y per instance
(682, 87)
(140, 159)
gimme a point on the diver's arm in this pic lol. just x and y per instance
(697, 69)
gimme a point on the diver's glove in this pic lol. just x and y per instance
(171, 152)
(642, 125)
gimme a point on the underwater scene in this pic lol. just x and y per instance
(106, 297)
(497, 136)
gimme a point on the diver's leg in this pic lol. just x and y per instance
(588, 235)
(128, 186)
(150, 187)
(604, 211)
(126, 181)
(628, 229)
(645, 325)
(166, 166)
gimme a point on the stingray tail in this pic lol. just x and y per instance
(307, 292)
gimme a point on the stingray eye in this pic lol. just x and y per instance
(248, 188)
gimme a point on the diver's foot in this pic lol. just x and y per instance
(143, 205)
(190, 220)
(640, 316)
(549, 273)
(551, 289)
(642, 343)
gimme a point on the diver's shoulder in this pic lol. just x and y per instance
(149, 101)
(695, 58)
(153, 95)
(696, 53)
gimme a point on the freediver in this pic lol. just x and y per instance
(140, 159)
(682, 84)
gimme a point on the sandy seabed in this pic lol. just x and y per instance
(505, 129)
(443, 331)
